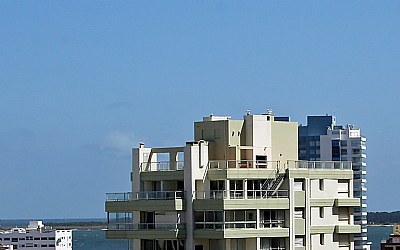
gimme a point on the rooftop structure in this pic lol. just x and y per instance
(238, 185)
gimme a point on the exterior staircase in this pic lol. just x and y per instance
(272, 184)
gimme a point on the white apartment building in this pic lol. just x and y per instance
(239, 185)
(346, 143)
(37, 236)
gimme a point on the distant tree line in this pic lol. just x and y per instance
(383, 217)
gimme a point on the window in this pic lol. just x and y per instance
(321, 184)
(272, 218)
(299, 241)
(312, 143)
(343, 143)
(321, 212)
(236, 188)
(299, 213)
(322, 239)
(272, 243)
(298, 185)
(217, 188)
(209, 219)
(240, 219)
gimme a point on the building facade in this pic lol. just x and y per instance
(36, 236)
(239, 185)
(322, 140)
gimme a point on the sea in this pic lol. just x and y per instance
(96, 240)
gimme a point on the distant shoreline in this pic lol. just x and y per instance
(96, 224)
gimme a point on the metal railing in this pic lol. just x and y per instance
(272, 224)
(240, 194)
(243, 164)
(147, 226)
(225, 225)
(340, 165)
(150, 195)
(161, 166)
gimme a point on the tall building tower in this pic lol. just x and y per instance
(321, 140)
(238, 186)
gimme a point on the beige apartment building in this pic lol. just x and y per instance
(238, 186)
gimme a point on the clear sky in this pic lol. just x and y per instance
(81, 82)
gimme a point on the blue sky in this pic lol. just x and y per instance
(81, 82)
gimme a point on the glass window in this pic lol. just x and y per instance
(299, 241)
(299, 213)
(298, 185)
(272, 243)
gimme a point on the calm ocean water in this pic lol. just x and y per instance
(95, 240)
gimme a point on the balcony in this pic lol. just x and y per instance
(239, 229)
(145, 201)
(146, 231)
(241, 199)
(150, 195)
(147, 226)
(241, 194)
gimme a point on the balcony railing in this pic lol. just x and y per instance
(240, 194)
(225, 225)
(272, 224)
(343, 165)
(151, 195)
(161, 166)
(243, 164)
(147, 226)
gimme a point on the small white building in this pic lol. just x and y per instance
(36, 236)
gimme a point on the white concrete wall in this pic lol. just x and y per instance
(258, 134)
(330, 189)
(328, 242)
(329, 218)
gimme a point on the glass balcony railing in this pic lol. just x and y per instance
(161, 166)
(272, 224)
(225, 225)
(239, 225)
(240, 194)
(343, 165)
(150, 195)
(243, 164)
(147, 226)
